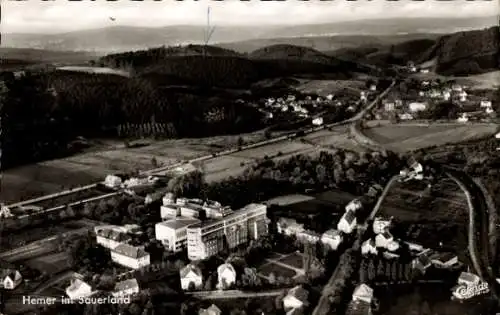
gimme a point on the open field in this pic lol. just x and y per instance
(50, 264)
(278, 271)
(337, 138)
(47, 177)
(294, 260)
(325, 87)
(401, 138)
(337, 197)
(409, 202)
(288, 200)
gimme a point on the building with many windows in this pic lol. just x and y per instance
(173, 233)
(209, 237)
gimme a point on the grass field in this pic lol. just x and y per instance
(488, 80)
(325, 87)
(404, 138)
(337, 138)
(51, 264)
(294, 260)
(278, 271)
(288, 200)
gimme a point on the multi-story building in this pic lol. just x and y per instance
(111, 236)
(130, 256)
(207, 238)
(173, 233)
(192, 208)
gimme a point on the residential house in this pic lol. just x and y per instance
(446, 95)
(354, 205)
(417, 107)
(329, 97)
(318, 121)
(456, 88)
(173, 233)
(406, 116)
(380, 225)
(289, 226)
(389, 106)
(126, 288)
(11, 278)
(211, 310)
(130, 256)
(468, 279)
(369, 248)
(421, 93)
(191, 277)
(444, 260)
(485, 104)
(424, 70)
(463, 118)
(78, 289)
(112, 181)
(421, 262)
(226, 275)
(5, 212)
(373, 87)
(363, 293)
(308, 236)
(297, 297)
(425, 83)
(462, 96)
(383, 239)
(347, 223)
(332, 238)
(111, 236)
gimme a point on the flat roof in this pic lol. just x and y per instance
(178, 223)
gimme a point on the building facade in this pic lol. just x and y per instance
(130, 256)
(173, 233)
(208, 238)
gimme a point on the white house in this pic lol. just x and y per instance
(130, 256)
(424, 70)
(347, 223)
(308, 236)
(368, 247)
(388, 107)
(126, 288)
(226, 276)
(383, 239)
(11, 278)
(406, 116)
(191, 276)
(463, 96)
(332, 238)
(489, 110)
(393, 246)
(297, 297)
(373, 87)
(468, 279)
(463, 118)
(354, 205)
(446, 95)
(329, 97)
(112, 181)
(318, 121)
(389, 255)
(211, 310)
(485, 104)
(417, 107)
(78, 289)
(363, 293)
(5, 211)
(168, 199)
(380, 225)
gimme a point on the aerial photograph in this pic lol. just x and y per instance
(250, 158)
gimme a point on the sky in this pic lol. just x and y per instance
(57, 16)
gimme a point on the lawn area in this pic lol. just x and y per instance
(335, 196)
(402, 138)
(107, 156)
(278, 271)
(288, 200)
(325, 87)
(51, 264)
(294, 260)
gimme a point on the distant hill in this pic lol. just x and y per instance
(461, 53)
(125, 38)
(226, 68)
(15, 58)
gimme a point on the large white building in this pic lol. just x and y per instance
(192, 208)
(130, 256)
(111, 236)
(173, 233)
(347, 223)
(208, 238)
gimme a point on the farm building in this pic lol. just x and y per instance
(191, 276)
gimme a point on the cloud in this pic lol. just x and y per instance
(59, 16)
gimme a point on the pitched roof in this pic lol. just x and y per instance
(130, 251)
(331, 233)
(363, 290)
(349, 216)
(113, 235)
(13, 274)
(76, 284)
(358, 308)
(126, 284)
(299, 293)
(190, 268)
(213, 309)
(225, 267)
(424, 259)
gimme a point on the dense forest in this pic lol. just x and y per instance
(44, 112)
